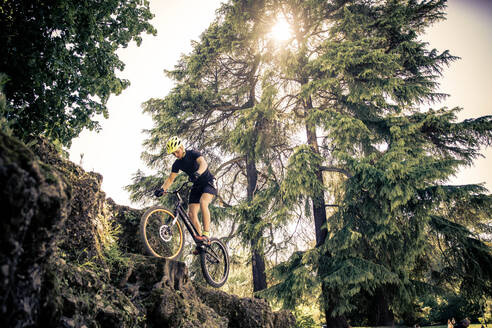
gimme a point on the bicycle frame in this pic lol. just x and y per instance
(179, 211)
(214, 258)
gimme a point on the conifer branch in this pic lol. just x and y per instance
(232, 161)
(232, 233)
(222, 202)
(336, 169)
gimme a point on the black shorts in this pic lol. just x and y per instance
(199, 189)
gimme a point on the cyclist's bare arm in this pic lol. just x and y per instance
(169, 181)
(202, 164)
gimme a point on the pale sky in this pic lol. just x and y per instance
(115, 151)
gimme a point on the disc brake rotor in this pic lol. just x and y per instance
(165, 233)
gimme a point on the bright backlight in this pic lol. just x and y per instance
(281, 30)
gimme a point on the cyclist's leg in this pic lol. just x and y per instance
(205, 200)
(194, 207)
(193, 213)
(207, 196)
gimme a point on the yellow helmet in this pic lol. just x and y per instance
(173, 144)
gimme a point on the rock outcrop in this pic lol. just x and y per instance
(34, 201)
(70, 257)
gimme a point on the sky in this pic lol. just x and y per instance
(115, 151)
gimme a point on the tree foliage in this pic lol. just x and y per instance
(378, 73)
(367, 75)
(60, 57)
(225, 104)
(346, 94)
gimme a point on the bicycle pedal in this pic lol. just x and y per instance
(201, 239)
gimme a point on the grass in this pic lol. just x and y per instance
(477, 325)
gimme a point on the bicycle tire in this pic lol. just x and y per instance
(214, 261)
(159, 239)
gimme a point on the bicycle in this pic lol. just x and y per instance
(162, 235)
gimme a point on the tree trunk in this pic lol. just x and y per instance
(329, 301)
(319, 214)
(381, 315)
(319, 211)
(258, 266)
(257, 259)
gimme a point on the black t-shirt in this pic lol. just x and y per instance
(189, 165)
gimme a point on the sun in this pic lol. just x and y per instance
(281, 31)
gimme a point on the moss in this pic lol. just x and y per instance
(131, 217)
(118, 263)
(83, 297)
(80, 241)
(49, 174)
(14, 151)
(51, 293)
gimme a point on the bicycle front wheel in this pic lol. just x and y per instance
(215, 263)
(161, 238)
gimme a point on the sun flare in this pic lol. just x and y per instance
(281, 31)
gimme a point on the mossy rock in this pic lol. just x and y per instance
(77, 296)
(33, 199)
(127, 220)
(244, 312)
(62, 264)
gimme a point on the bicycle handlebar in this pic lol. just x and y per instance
(179, 189)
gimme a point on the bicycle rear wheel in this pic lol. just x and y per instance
(215, 263)
(160, 237)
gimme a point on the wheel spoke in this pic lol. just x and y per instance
(215, 264)
(160, 238)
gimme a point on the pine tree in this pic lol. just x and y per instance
(355, 73)
(377, 72)
(224, 106)
(309, 21)
(361, 73)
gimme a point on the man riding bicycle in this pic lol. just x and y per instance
(202, 192)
